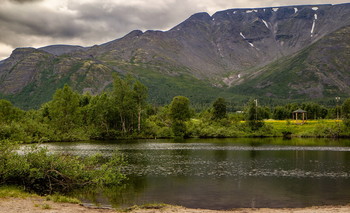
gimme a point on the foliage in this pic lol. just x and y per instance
(179, 113)
(123, 112)
(129, 97)
(42, 172)
(281, 113)
(179, 128)
(70, 116)
(180, 109)
(205, 129)
(8, 112)
(254, 116)
(345, 111)
(140, 95)
(219, 109)
(64, 110)
(122, 98)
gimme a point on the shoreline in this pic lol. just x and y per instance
(39, 204)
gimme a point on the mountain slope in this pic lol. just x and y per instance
(318, 71)
(285, 52)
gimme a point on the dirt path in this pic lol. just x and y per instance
(40, 205)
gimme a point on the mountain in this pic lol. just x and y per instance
(318, 71)
(292, 52)
(61, 49)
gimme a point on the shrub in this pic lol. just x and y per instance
(165, 132)
(44, 173)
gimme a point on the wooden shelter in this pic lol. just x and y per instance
(302, 114)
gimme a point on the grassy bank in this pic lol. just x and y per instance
(14, 192)
(18, 192)
(269, 128)
(311, 128)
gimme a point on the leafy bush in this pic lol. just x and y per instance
(165, 132)
(44, 173)
(322, 129)
(179, 129)
(214, 129)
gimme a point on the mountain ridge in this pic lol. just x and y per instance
(222, 54)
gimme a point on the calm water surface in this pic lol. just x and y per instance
(225, 173)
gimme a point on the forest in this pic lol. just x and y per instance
(123, 113)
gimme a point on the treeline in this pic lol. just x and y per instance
(123, 112)
(72, 116)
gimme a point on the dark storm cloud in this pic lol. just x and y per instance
(87, 23)
(26, 23)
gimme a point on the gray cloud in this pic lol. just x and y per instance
(44, 22)
(24, 1)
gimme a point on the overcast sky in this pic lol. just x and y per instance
(37, 23)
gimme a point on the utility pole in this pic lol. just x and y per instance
(337, 108)
(337, 99)
(256, 109)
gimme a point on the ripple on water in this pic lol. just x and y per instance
(217, 160)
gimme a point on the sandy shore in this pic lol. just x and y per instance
(40, 205)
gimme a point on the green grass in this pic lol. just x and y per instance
(312, 128)
(145, 206)
(17, 192)
(13, 192)
(43, 206)
(62, 199)
(46, 206)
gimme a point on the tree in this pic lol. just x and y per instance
(84, 104)
(219, 109)
(130, 100)
(254, 116)
(8, 112)
(64, 109)
(180, 108)
(313, 110)
(281, 113)
(123, 99)
(140, 96)
(345, 112)
(179, 113)
(101, 113)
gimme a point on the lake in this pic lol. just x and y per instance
(225, 173)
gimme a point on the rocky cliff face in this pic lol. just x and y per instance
(22, 67)
(249, 50)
